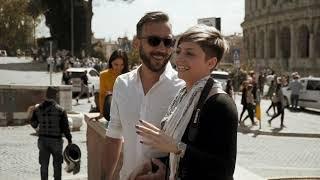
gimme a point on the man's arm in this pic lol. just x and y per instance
(65, 127)
(34, 119)
(112, 151)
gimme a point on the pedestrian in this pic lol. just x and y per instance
(295, 86)
(279, 101)
(66, 77)
(243, 99)
(229, 88)
(251, 106)
(52, 121)
(143, 93)
(117, 64)
(84, 87)
(200, 128)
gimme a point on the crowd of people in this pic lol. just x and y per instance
(252, 90)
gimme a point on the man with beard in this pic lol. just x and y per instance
(142, 94)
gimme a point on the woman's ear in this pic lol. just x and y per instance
(212, 63)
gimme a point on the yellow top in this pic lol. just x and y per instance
(107, 79)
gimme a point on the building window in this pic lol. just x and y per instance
(261, 44)
(253, 45)
(317, 43)
(264, 3)
(303, 39)
(272, 44)
(274, 2)
(285, 43)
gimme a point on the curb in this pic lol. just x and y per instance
(243, 174)
(75, 177)
(246, 130)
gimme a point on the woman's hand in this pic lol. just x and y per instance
(144, 171)
(96, 118)
(156, 138)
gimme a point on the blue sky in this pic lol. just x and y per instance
(113, 19)
(116, 19)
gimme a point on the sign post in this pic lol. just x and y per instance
(236, 62)
(51, 62)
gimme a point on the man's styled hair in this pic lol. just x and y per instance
(52, 93)
(155, 16)
(208, 38)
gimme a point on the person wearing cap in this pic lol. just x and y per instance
(295, 87)
(52, 121)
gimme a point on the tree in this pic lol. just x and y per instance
(15, 25)
(35, 9)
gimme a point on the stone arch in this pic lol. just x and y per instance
(246, 42)
(317, 42)
(261, 44)
(272, 44)
(285, 42)
(264, 3)
(303, 39)
(253, 45)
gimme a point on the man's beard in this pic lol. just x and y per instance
(154, 67)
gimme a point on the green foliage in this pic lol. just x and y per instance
(134, 57)
(16, 25)
(97, 53)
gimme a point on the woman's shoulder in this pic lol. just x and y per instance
(221, 102)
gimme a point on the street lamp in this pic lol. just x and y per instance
(72, 43)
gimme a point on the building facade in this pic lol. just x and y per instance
(283, 35)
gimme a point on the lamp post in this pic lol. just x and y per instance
(72, 14)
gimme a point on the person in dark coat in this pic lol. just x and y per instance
(52, 121)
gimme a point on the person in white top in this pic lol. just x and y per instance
(142, 94)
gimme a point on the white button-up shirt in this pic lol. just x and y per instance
(129, 105)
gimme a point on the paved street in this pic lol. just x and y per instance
(266, 152)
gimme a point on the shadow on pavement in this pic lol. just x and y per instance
(276, 130)
(33, 66)
(308, 111)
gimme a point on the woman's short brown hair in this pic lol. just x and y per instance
(209, 39)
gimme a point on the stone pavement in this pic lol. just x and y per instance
(304, 123)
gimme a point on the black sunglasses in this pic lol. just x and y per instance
(155, 41)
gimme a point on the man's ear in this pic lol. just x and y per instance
(135, 43)
(212, 62)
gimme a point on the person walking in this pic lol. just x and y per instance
(243, 99)
(279, 101)
(229, 88)
(84, 87)
(143, 93)
(52, 121)
(251, 106)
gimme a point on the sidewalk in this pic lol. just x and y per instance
(239, 174)
(304, 123)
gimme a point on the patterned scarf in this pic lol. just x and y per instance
(179, 114)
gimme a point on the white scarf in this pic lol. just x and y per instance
(179, 114)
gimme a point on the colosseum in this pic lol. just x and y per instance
(283, 35)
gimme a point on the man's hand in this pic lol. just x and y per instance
(96, 118)
(144, 171)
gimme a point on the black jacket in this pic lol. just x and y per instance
(52, 120)
(212, 154)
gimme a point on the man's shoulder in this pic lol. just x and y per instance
(128, 77)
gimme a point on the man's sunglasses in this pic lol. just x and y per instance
(155, 41)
